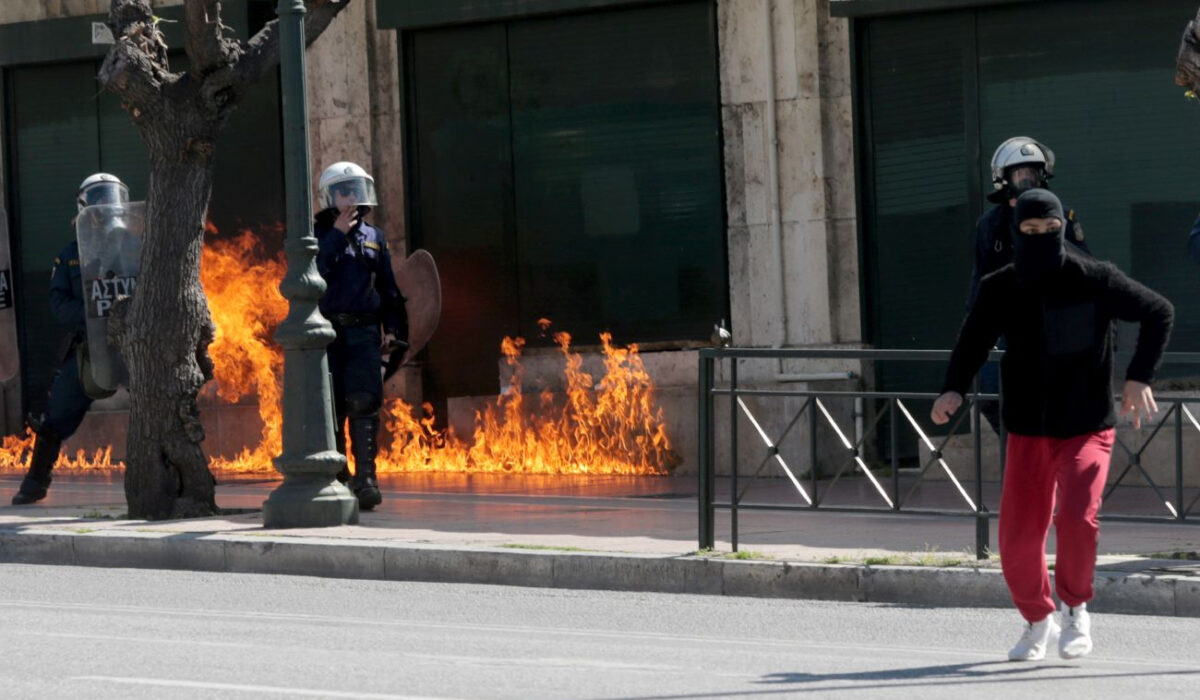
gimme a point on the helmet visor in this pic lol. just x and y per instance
(104, 193)
(1022, 178)
(357, 191)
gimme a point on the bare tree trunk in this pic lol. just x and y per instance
(166, 472)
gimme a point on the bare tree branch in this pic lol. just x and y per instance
(134, 21)
(262, 51)
(135, 69)
(1187, 63)
(132, 76)
(208, 48)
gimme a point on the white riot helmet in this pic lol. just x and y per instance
(345, 184)
(1013, 153)
(101, 188)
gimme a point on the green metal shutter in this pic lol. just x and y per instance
(54, 148)
(461, 179)
(618, 173)
(570, 168)
(121, 149)
(1098, 88)
(919, 236)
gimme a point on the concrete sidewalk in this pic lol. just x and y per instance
(620, 533)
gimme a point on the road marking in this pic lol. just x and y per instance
(816, 647)
(272, 689)
(142, 640)
(551, 662)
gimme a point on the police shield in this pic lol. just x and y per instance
(419, 283)
(418, 280)
(110, 253)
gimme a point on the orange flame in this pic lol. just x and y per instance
(242, 286)
(610, 427)
(15, 451)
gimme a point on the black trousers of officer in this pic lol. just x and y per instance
(66, 409)
(354, 362)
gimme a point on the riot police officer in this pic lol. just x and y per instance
(360, 296)
(1018, 165)
(71, 391)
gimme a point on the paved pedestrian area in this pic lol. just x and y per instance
(640, 530)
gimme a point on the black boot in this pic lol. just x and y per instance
(37, 479)
(364, 442)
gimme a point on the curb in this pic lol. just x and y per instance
(1132, 593)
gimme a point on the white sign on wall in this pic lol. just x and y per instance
(101, 34)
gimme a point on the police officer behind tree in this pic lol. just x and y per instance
(71, 391)
(360, 296)
(1019, 164)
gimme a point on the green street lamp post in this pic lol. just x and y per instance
(310, 495)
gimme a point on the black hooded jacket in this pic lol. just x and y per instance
(1055, 308)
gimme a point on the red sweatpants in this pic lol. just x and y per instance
(1078, 466)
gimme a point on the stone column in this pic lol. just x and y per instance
(813, 150)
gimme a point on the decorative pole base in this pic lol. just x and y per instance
(310, 500)
(309, 505)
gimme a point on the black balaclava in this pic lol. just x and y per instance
(1037, 256)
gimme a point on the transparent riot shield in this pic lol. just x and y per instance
(110, 254)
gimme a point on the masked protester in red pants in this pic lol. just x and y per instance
(1056, 309)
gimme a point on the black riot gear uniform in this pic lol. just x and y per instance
(360, 296)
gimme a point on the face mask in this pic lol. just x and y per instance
(1037, 256)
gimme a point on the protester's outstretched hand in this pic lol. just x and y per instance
(945, 406)
(1138, 400)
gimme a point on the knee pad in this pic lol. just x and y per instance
(362, 404)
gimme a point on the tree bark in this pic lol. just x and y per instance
(1187, 62)
(167, 473)
(164, 331)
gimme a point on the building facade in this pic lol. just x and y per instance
(808, 171)
(644, 168)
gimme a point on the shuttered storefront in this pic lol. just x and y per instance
(57, 142)
(567, 167)
(938, 91)
(61, 127)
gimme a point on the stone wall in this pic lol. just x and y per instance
(815, 181)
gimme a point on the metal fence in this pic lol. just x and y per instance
(895, 406)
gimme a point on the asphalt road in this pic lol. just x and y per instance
(122, 633)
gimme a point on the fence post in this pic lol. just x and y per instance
(982, 535)
(1180, 514)
(812, 449)
(707, 536)
(733, 454)
(894, 422)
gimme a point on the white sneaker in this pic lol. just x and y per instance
(1033, 643)
(1076, 639)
